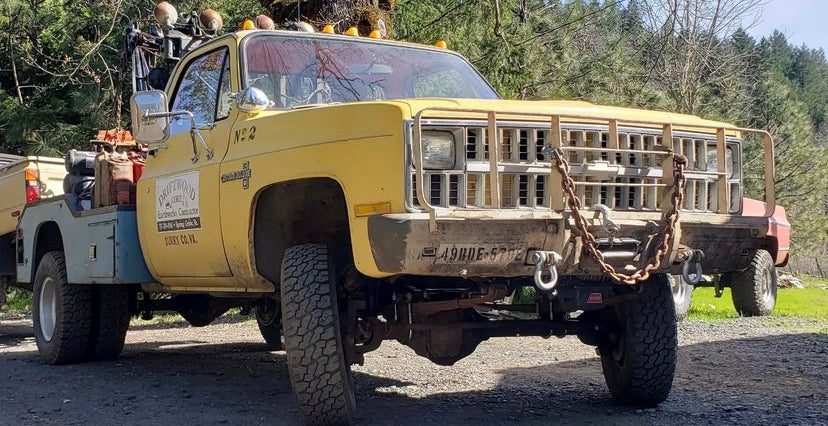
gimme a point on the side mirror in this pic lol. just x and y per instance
(252, 100)
(150, 118)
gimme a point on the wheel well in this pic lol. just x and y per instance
(298, 212)
(48, 239)
(771, 244)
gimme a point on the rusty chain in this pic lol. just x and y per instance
(575, 206)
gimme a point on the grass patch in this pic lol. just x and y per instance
(809, 302)
(18, 301)
(814, 281)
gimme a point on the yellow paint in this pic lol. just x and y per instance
(50, 173)
(192, 253)
(364, 156)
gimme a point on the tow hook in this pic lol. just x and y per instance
(692, 258)
(610, 227)
(545, 262)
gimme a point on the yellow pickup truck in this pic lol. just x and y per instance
(22, 180)
(352, 190)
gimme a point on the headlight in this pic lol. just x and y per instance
(713, 161)
(438, 150)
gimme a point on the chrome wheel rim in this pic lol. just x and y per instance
(679, 289)
(767, 286)
(48, 308)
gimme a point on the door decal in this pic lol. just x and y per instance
(177, 203)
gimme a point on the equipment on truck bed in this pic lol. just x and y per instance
(106, 176)
(153, 53)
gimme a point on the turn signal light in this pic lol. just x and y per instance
(353, 31)
(248, 25)
(32, 174)
(328, 29)
(361, 210)
(32, 177)
(441, 44)
(375, 34)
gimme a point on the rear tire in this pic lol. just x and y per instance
(640, 364)
(111, 315)
(270, 325)
(313, 340)
(61, 313)
(682, 295)
(754, 289)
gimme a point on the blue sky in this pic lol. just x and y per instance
(802, 21)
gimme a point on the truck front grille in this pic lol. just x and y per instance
(625, 180)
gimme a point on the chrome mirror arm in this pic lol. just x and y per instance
(195, 134)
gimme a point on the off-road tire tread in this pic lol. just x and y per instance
(110, 318)
(73, 322)
(316, 363)
(746, 288)
(646, 377)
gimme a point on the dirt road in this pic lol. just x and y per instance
(750, 371)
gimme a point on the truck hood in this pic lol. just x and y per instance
(514, 108)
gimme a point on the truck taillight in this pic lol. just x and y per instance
(32, 191)
(32, 185)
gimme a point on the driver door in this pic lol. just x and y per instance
(179, 210)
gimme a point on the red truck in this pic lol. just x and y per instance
(754, 288)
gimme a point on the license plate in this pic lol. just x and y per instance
(490, 254)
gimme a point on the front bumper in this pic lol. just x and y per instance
(498, 247)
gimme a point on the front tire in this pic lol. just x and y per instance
(754, 289)
(313, 340)
(640, 363)
(61, 313)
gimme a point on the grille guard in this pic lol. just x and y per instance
(555, 198)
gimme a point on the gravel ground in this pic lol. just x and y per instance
(747, 371)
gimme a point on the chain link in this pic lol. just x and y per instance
(666, 233)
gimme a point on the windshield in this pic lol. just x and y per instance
(297, 71)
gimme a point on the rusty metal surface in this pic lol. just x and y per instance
(403, 244)
(665, 235)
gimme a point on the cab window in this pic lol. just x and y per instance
(204, 90)
(442, 84)
(224, 96)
